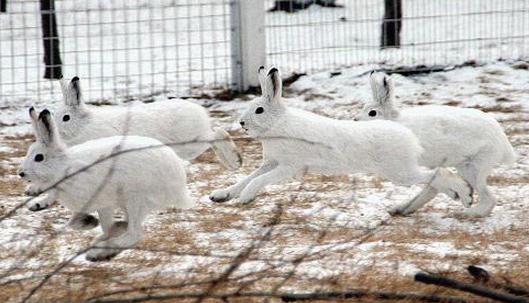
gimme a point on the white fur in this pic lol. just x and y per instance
(467, 139)
(182, 125)
(296, 141)
(142, 176)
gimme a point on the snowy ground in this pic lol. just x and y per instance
(317, 233)
(131, 49)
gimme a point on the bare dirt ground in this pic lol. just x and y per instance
(319, 233)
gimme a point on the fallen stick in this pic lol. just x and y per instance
(483, 276)
(471, 288)
(290, 297)
(381, 295)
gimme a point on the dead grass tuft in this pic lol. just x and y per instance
(501, 108)
(503, 180)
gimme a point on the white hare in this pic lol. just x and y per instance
(132, 173)
(468, 139)
(296, 141)
(182, 125)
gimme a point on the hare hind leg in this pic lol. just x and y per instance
(440, 180)
(426, 195)
(476, 175)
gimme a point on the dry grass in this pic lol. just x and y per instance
(71, 286)
(227, 228)
(12, 186)
(501, 108)
(502, 180)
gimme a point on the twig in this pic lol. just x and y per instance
(52, 273)
(481, 275)
(243, 255)
(466, 287)
(291, 297)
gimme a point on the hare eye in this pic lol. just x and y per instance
(372, 113)
(66, 118)
(39, 157)
(259, 110)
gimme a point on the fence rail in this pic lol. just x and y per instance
(139, 49)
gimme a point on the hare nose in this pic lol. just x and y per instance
(242, 123)
(21, 174)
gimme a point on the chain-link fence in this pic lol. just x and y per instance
(431, 32)
(127, 49)
(139, 49)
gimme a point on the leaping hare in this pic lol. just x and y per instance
(468, 139)
(135, 174)
(296, 141)
(182, 125)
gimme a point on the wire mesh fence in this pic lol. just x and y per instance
(126, 49)
(315, 37)
(138, 49)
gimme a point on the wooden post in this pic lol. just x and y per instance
(52, 56)
(392, 23)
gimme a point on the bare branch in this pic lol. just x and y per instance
(291, 297)
(466, 287)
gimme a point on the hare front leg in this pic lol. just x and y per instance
(233, 191)
(274, 176)
(40, 202)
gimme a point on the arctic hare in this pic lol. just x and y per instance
(468, 139)
(296, 141)
(135, 174)
(182, 125)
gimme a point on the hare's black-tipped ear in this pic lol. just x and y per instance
(32, 112)
(45, 118)
(77, 89)
(72, 92)
(382, 88)
(261, 75)
(46, 131)
(274, 84)
(34, 118)
(273, 70)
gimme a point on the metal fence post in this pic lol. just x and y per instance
(50, 37)
(248, 42)
(392, 23)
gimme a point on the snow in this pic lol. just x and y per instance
(340, 224)
(186, 46)
(347, 214)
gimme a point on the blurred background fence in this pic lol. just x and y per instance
(432, 32)
(138, 49)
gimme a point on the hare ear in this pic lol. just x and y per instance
(34, 119)
(382, 88)
(72, 92)
(46, 129)
(261, 73)
(273, 85)
(64, 85)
